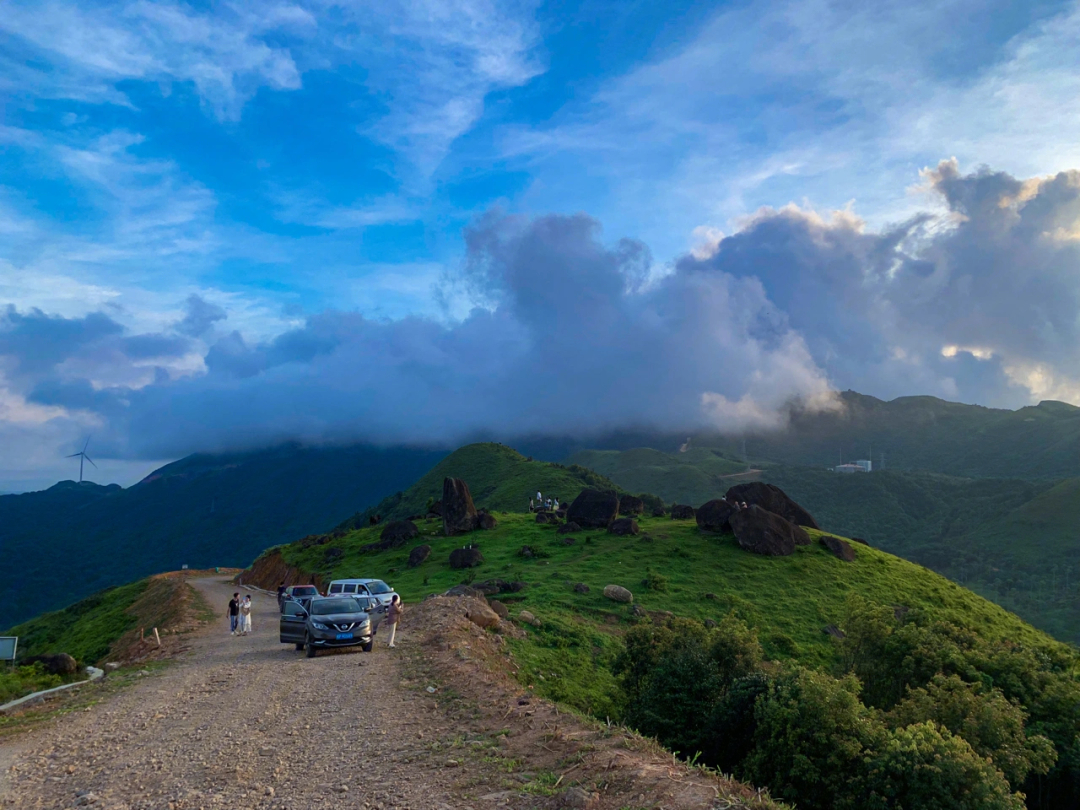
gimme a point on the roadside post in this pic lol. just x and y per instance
(8, 645)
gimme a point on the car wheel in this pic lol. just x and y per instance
(311, 649)
(299, 645)
(367, 647)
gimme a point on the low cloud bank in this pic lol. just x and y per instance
(977, 301)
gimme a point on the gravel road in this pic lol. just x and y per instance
(248, 722)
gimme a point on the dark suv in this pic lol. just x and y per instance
(331, 621)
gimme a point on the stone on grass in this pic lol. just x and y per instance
(546, 517)
(568, 528)
(581, 587)
(485, 520)
(713, 516)
(499, 608)
(529, 618)
(418, 556)
(398, 533)
(618, 593)
(631, 505)
(468, 557)
(594, 508)
(764, 532)
(458, 510)
(624, 526)
(773, 499)
(681, 511)
(840, 548)
(482, 616)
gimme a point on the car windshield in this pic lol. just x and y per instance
(327, 606)
(378, 586)
(305, 590)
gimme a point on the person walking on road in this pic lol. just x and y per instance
(393, 613)
(280, 593)
(234, 612)
(245, 616)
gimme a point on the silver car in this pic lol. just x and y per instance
(331, 621)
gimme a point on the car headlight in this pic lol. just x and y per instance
(319, 626)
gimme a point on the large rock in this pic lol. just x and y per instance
(713, 516)
(593, 509)
(398, 533)
(624, 526)
(465, 590)
(840, 548)
(458, 510)
(484, 520)
(490, 587)
(568, 528)
(418, 556)
(546, 517)
(764, 532)
(499, 608)
(773, 499)
(529, 618)
(59, 664)
(631, 505)
(618, 593)
(469, 557)
(681, 511)
(482, 616)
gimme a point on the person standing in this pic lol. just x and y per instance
(280, 593)
(393, 613)
(245, 616)
(234, 612)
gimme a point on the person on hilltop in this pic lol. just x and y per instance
(532, 505)
(393, 613)
(555, 504)
(245, 616)
(234, 613)
(539, 498)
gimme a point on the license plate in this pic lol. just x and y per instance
(343, 636)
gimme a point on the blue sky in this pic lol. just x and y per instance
(188, 189)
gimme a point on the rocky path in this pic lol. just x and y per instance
(248, 722)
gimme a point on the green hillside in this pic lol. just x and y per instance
(574, 655)
(72, 540)
(499, 478)
(692, 477)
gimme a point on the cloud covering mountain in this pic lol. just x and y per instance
(570, 332)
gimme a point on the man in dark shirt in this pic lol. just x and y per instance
(280, 593)
(234, 612)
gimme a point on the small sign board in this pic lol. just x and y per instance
(7, 647)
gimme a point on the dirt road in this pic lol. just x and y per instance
(248, 722)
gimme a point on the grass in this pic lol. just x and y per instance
(499, 479)
(789, 600)
(18, 681)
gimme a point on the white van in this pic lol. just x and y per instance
(362, 587)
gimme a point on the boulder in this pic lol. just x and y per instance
(631, 505)
(418, 556)
(527, 552)
(546, 517)
(624, 526)
(59, 664)
(681, 511)
(713, 516)
(482, 616)
(528, 618)
(458, 511)
(468, 557)
(398, 533)
(492, 586)
(764, 532)
(436, 509)
(773, 499)
(710, 623)
(518, 586)
(484, 520)
(593, 509)
(840, 548)
(859, 540)
(581, 587)
(834, 631)
(618, 593)
(499, 608)
(560, 513)
(568, 528)
(658, 512)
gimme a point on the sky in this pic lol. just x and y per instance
(228, 224)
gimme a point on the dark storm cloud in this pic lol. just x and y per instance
(200, 317)
(38, 342)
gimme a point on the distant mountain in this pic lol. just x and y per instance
(71, 540)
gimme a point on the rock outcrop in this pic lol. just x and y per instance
(631, 505)
(468, 557)
(840, 548)
(764, 532)
(594, 509)
(482, 616)
(714, 515)
(624, 526)
(418, 556)
(458, 510)
(484, 520)
(398, 533)
(568, 528)
(58, 664)
(546, 517)
(681, 511)
(772, 499)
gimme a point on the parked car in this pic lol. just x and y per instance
(330, 621)
(362, 587)
(299, 593)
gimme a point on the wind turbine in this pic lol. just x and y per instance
(81, 455)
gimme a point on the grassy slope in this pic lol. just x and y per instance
(789, 599)
(499, 478)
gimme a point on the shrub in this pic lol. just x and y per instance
(654, 581)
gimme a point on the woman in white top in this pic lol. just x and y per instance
(245, 616)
